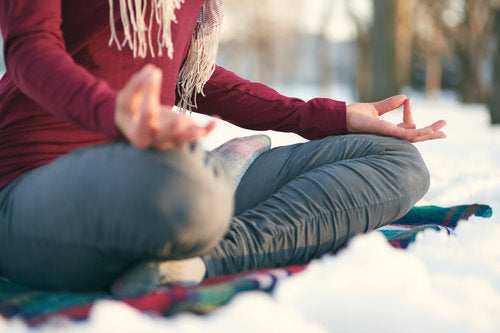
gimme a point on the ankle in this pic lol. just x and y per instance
(149, 276)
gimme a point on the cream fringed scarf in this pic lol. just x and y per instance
(200, 62)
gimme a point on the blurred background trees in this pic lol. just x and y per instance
(366, 50)
(370, 48)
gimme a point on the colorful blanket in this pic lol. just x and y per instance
(35, 307)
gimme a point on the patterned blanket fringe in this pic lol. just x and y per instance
(36, 307)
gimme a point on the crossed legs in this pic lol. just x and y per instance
(298, 202)
(86, 218)
(81, 221)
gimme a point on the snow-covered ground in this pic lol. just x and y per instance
(440, 284)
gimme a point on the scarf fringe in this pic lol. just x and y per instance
(200, 62)
(198, 67)
(138, 33)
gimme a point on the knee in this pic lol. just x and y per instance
(191, 212)
(414, 175)
(207, 219)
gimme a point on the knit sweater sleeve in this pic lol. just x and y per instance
(38, 64)
(258, 107)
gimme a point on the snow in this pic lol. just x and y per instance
(437, 286)
(440, 284)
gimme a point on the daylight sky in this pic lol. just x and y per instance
(341, 27)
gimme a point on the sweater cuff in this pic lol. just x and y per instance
(328, 117)
(109, 127)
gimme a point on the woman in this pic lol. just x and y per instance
(99, 175)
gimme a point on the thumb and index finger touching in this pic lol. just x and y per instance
(408, 125)
(138, 105)
(149, 109)
(393, 103)
(389, 104)
(149, 123)
(140, 82)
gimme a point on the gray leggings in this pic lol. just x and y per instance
(81, 221)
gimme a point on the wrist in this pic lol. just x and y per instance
(118, 123)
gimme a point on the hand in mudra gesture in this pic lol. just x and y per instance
(365, 118)
(146, 123)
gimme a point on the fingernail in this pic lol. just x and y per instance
(152, 70)
(149, 67)
(156, 73)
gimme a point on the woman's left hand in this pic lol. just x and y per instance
(365, 118)
(146, 123)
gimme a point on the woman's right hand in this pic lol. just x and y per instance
(146, 123)
(365, 118)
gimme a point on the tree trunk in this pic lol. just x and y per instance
(364, 68)
(404, 26)
(471, 86)
(363, 54)
(433, 74)
(471, 51)
(324, 58)
(2, 62)
(433, 68)
(265, 59)
(384, 81)
(494, 100)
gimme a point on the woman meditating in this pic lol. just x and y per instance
(104, 186)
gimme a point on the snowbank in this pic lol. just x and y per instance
(440, 284)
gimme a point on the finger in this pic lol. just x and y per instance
(146, 123)
(436, 132)
(411, 134)
(190, 131)
(180, 129)
(167, 122)
(150, 103)
(165, 145)
(209, 127)
(422, 134)
(389, 104)
(389, 129)
(433, 136)
(205, 130)
(188, 134)
(407, 115)
(438, 125)
(134, 85)
(177, 128)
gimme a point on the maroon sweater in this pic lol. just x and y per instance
(59, 91)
